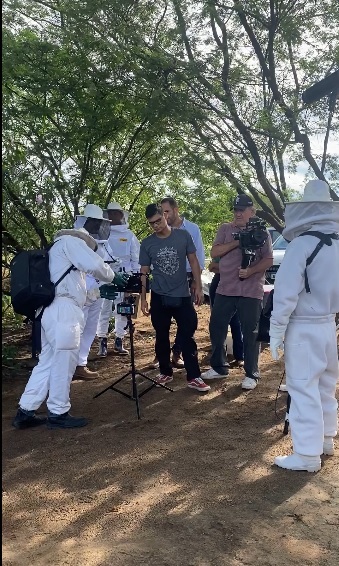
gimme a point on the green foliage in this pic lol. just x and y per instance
(117, 100)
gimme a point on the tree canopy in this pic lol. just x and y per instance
(131, 100)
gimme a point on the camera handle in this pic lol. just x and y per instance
(247, 258)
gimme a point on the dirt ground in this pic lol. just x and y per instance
(191, 483)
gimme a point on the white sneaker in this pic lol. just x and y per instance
(299, 463)
(249, 383)
(211, 374)
(328, 447)
(283, 387)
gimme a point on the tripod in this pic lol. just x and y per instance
(135, 396)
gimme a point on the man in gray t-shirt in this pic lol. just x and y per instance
(167, 256)
(166, 251)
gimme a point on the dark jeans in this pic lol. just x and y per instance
(187, 322)
(238, 344)
(176, 348)
(249, 313)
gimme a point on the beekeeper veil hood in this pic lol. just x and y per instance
(78, 233)
(114, 206)
(314, 211)
(94, 222)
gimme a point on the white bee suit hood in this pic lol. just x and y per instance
(315, 211)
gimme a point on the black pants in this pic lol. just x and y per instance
(187, 322)
(176, 348)
(249, 312)
(238, 344)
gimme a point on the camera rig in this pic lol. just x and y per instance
(252, 238)
(133, 284)
(127, 307)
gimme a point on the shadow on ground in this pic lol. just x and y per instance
(192, 483)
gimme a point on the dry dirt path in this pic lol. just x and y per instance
(190, 484)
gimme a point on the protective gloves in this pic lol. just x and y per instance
(108, 292)
(277, 334)
(120, 280)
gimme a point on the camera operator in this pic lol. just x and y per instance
(62, 323)
(234, 294)
(167, 251)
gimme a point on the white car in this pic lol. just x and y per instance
(279, 248)
(206, 279)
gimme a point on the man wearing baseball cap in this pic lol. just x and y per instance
(239, 290)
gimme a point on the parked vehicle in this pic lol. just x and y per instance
(279, 248)
(274, 233)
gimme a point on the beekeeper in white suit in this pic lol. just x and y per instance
(98, 227)
(303, 322)
(124, 245)
(61, 327)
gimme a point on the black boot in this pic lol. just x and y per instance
(118, 347)
(27, 420)
(103, 348)
(65, 421)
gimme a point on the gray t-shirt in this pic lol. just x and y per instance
(167, 256)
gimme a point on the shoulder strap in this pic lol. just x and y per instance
(325, 239)
(71, 268)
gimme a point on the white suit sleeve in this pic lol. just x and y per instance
(289, 283)
(135, 250)
(86, 260)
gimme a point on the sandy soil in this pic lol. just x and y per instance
(191, 483)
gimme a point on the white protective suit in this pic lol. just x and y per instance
(63, 321)
(124, 245)
(306, 323)
(91, 310)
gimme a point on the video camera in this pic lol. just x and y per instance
(133, 284)
(250, 239)
(127, 307)
(253, 236)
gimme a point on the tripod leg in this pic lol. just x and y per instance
(287, 422)
(136, 397)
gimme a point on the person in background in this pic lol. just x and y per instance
(305, 302)
(167, 250)
(239, 290)
(98, 227)
(176, 220)
(124, 245)
(238, 344)
(62, 323)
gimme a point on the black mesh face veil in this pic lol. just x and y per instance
(97, 228)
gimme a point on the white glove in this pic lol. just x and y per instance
(276, 344)
(277, 334)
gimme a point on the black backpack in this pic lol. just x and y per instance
(31, 285)
(264, 322)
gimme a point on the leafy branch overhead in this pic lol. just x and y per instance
(117, 100)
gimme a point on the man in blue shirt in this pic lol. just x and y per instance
(171, 211)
